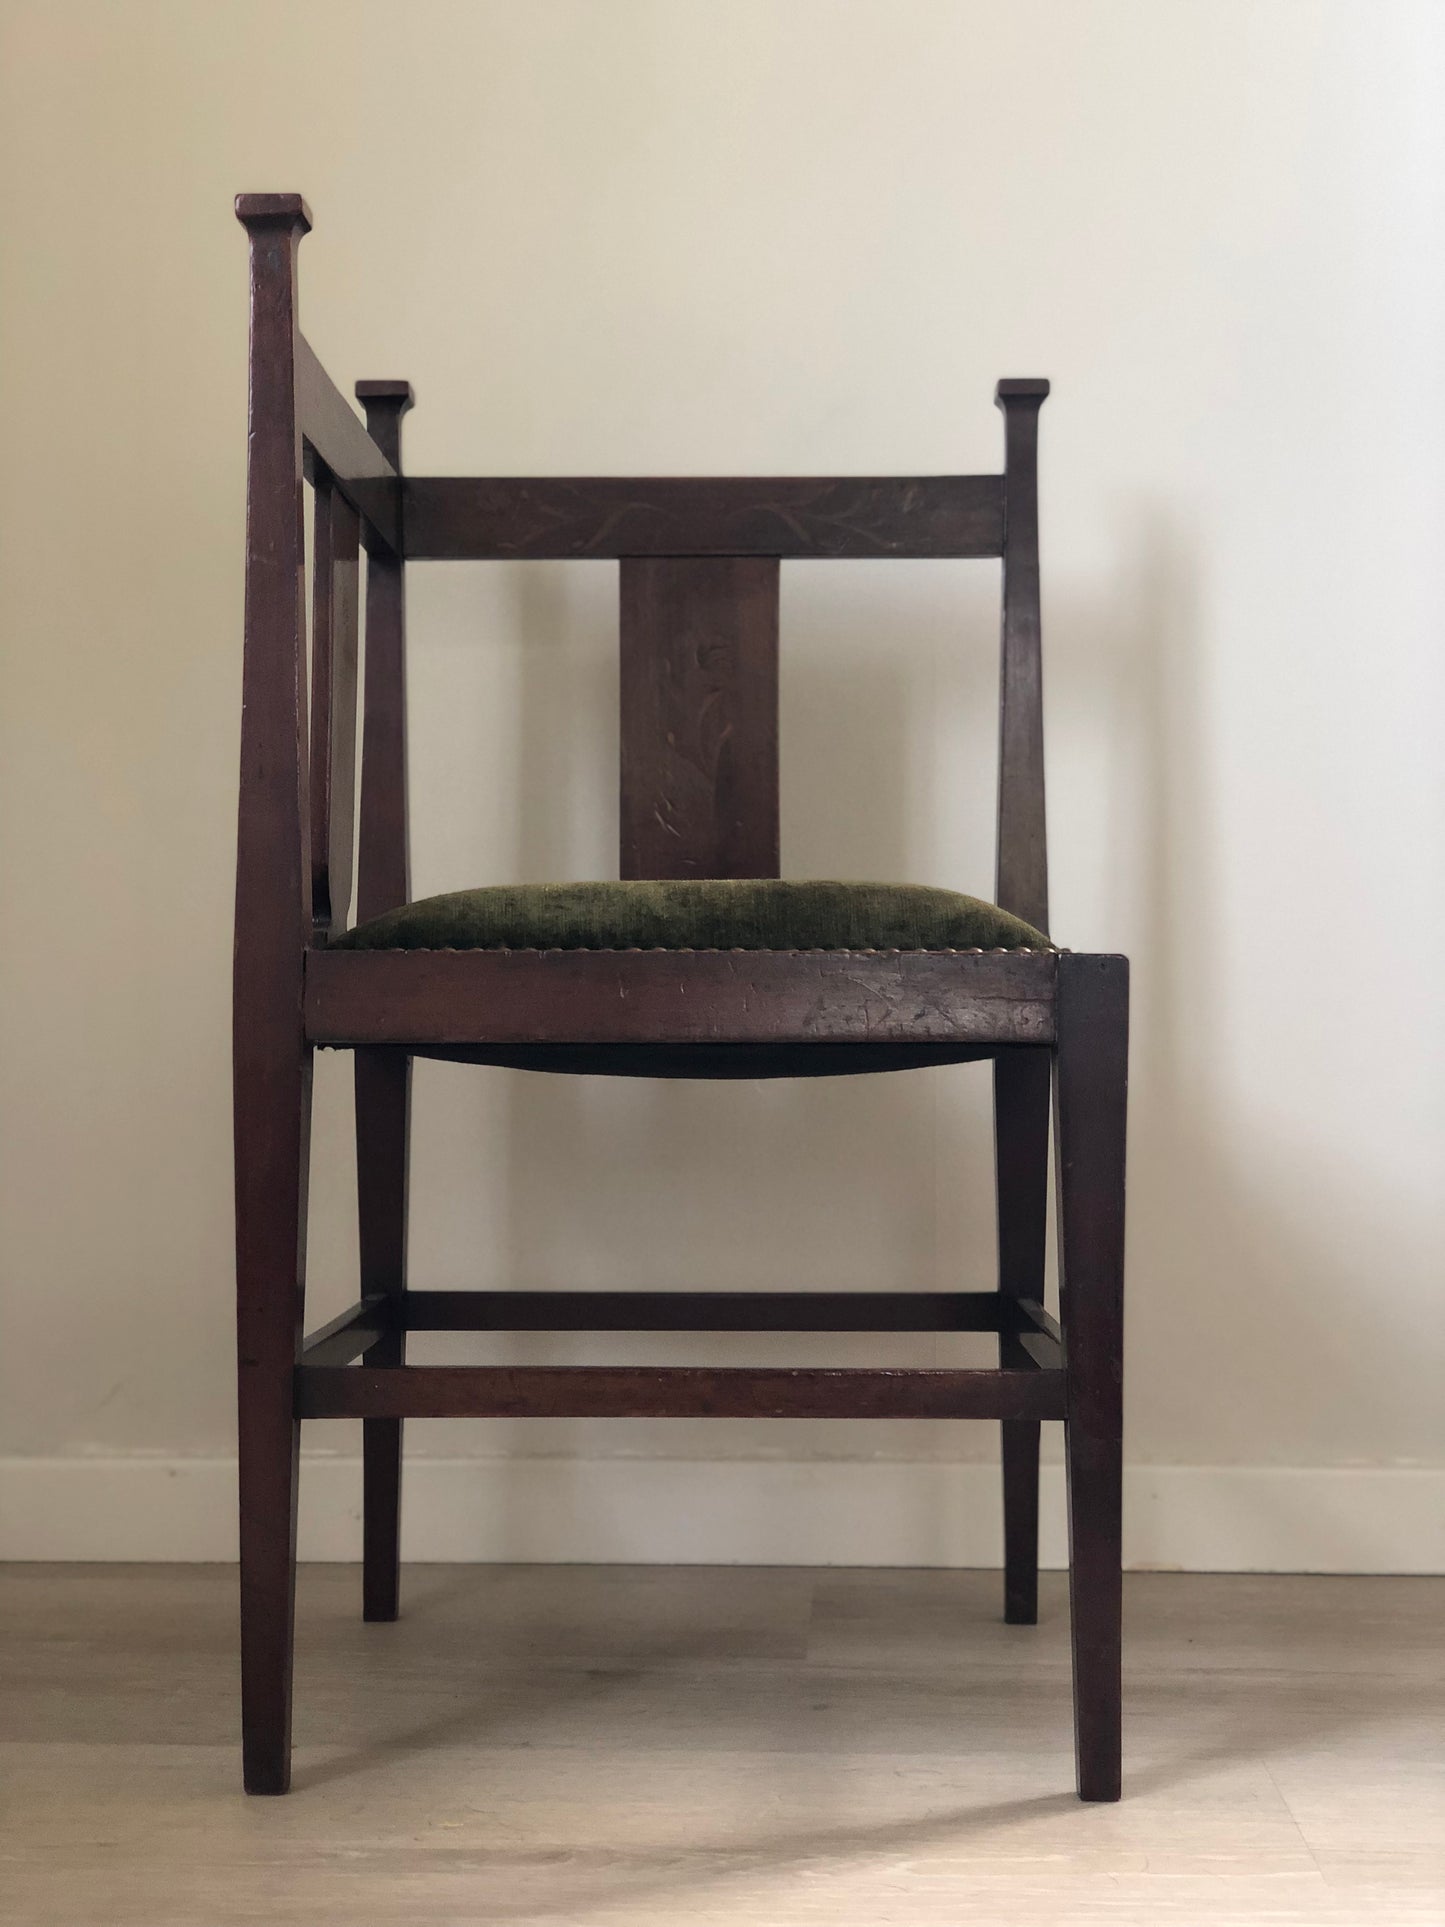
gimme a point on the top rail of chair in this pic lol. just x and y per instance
(556, 518)
(332, 430)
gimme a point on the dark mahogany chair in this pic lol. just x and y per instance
(700, 962)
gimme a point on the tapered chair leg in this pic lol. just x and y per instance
(1021, 1084)
(1091, 1096)
(383, 1116)
(272, 1147)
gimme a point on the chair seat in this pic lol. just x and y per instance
(697, 914)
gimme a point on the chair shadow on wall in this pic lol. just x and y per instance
(1243, 1301)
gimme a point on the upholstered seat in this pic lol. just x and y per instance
(697, 914)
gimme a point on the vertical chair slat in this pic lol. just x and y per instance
(1023, 866)
(383, 876)
(335, 584)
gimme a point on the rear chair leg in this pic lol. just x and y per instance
(1021, 1162)
(1091, 1097)
(273, 1130)
(383, 1116)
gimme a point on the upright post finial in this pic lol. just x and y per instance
(1020, 388)
(1023, 868)
(273, 210)
(384, 403)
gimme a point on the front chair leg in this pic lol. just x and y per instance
(1091, 1097)
(1021, 1080)
(383, 1116)
(273, 1127)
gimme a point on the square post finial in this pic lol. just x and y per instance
(273, 210)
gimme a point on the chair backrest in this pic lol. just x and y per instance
(699, 567)
(699, 627)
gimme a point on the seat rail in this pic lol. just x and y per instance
(460, 997)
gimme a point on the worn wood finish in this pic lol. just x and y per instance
(335, 555)
(1021, 1096)
(674, 1391)
(538, 519)
(383, 1078)
(699, 717)
(1023, 869)
(272, 1059)
(1091, 1092)
(679, 997)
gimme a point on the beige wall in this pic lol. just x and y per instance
(722, 236)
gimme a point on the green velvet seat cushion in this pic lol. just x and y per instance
(695, 914)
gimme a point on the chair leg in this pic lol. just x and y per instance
(383, 1117)
(1020, 1513)
(1091, 1095)
(1021, 1082)
(273, 1129)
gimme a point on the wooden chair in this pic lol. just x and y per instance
(699, 582)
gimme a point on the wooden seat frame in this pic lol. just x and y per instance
(699, 567)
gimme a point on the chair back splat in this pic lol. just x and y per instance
(699, 682)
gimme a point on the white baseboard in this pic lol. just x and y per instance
(734, 1512)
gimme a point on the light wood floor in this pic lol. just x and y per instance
(646, 1745)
